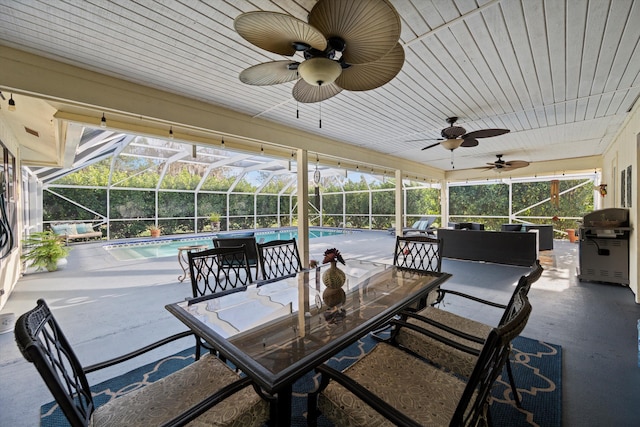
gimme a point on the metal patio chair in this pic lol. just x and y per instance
(206, 389)
(249, 242)
(217, 270)
(419, 253)
(469, 333)
(279, 258)
(391, 386)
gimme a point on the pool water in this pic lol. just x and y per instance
(144, 249)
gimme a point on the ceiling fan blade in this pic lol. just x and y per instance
(374, 74)
(370, 28)
(515, 164)
(432, 145)
(277, 32)
(485, 133)
(269, 73)
(306, 93)
(425, 139)
(469, 142)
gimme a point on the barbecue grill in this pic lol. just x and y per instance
(604, 246)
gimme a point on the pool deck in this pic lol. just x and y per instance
(107, 307)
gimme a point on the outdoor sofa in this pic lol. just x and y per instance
(500, 247)
(545, 233)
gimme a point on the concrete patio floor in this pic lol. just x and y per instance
(108, 307)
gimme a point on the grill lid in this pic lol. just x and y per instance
(607, 218)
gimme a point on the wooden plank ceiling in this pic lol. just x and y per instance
(561, 75)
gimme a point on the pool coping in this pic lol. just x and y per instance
(141, 241)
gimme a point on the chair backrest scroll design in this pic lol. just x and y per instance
(279, 258)
(218, 269)
(418, 253)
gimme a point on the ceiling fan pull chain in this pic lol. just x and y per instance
(320, 121)
(297, 110)
(452, 154)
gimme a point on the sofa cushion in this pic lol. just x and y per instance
(63, 229)
(84, 228)
(59, 229)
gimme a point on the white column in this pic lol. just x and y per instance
(444, 203)
(399, 203)
(303, 206)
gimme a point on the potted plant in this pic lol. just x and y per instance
(154, 230)
(215, 221)
(44, 249)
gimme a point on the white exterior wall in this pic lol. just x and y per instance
(625, 151)
(10, 267)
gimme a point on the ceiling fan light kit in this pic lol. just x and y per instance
(347, 44)
(319, 71)
(451, 144)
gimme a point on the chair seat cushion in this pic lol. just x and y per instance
(421, 391)
(457, 361)
(163, 400)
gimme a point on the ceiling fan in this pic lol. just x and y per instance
(456, 136)
(504, 166)
(347, 44)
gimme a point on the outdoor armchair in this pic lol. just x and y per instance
(470, 334)
(390, 386)
(249, 242)
(217, 270)
(206, 389)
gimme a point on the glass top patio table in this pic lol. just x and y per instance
(277, 331)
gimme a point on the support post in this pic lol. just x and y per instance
(399, 203)
(303, 208)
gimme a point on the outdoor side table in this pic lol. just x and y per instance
(184, 261)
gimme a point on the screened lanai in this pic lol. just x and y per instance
(126, 183)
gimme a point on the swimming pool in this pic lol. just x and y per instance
(168, 246)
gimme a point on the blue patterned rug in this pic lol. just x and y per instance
(536, 367)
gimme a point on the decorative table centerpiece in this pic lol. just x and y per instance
(333, 278)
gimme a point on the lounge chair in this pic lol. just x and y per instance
(422, 226)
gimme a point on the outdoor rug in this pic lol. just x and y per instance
(536, 367)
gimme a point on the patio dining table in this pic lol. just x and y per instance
(276, 331)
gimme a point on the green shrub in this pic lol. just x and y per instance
(43, 249)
